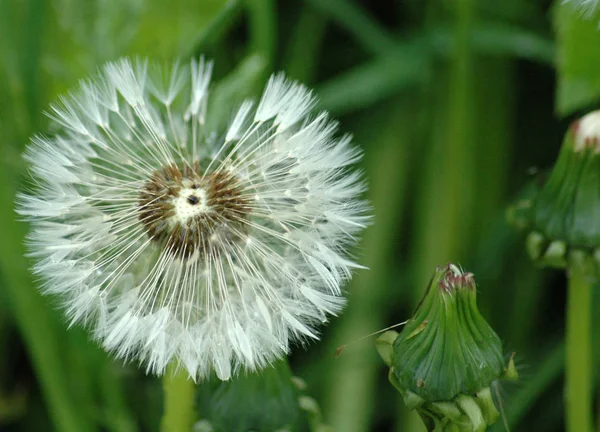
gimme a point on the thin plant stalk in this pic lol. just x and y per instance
(178, 408)
(579, 353)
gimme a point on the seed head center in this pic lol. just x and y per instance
(187, 213)
(189, 204)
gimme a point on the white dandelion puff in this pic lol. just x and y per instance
(173, 245)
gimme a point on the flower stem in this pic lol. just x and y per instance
(178, 414)
(579, 355)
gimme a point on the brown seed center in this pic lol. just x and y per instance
(192, 215)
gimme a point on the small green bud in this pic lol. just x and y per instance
(447, 348)
(447, 357)
(561, 217)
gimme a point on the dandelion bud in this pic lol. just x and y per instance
(175, 242)
(562, 217)
(447, 356)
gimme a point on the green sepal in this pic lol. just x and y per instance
(448, 410)
(394, 381)
(448, 427)
(412, 400)
(385, 346)
(471, 408)
(545, 252)
(465, 413)
(510, 373)
(486, 403)
(555, 254)
(535, 244)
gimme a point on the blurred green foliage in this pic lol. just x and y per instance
(453, 103)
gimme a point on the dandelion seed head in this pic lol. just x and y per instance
(217, 249)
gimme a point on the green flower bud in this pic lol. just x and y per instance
(447, 357)
(561, 218)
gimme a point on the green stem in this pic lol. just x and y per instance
(579, 353)
(178, 415)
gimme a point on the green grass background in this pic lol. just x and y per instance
(454, 102)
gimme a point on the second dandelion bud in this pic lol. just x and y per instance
(173, 243)
(447, 357)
